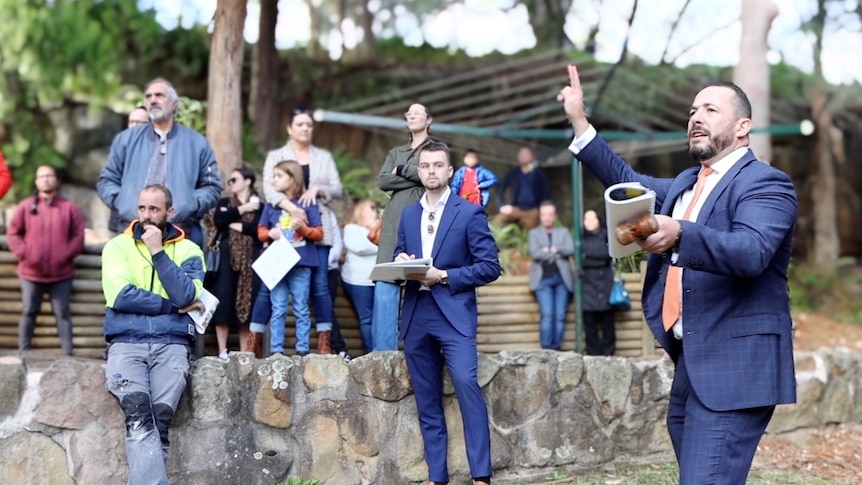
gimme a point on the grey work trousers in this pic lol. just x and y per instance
(31, 299)
(148, 381)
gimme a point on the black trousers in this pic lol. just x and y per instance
(601, 337)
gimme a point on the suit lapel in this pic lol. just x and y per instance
(412, 230)
(684, 181)
(449, 214)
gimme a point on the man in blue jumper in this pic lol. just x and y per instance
(527, 188)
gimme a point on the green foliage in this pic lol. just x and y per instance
(512, 243)
(630, 263)
(298, 481)
(356, 177)
(833, 292)
(193, 114)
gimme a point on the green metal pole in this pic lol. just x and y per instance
(577, 234)
(803, 128)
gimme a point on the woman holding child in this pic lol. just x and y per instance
(320, 184)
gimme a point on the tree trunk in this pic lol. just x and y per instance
(264, 83)
(547, 18)
(224, 107)
(752, 72)
(315, 49)
(826, 247)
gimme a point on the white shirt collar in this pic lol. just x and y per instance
(440, 203)
(726, 162)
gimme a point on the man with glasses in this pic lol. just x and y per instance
(161, 153)
(138, 116)
(439, 316)
(44, 266)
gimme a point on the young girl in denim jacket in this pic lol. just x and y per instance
(274, 224)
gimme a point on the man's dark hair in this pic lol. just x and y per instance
(300, 109)
(169, 198)
(469, 151)
(741, 104)
(547, 203)
(438, 146)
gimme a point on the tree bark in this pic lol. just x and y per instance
(264, 83)
(547, 18)
(224, 106)
(315, 49)
(752, 72)
(827, 245)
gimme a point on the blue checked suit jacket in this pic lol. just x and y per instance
(736, 306)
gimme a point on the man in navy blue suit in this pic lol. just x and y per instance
(438, 317)
(715, 292)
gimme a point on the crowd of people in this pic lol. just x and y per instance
(714, 295)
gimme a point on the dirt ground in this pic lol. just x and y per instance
(832, 452)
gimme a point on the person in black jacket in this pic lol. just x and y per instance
(528, 187)
(597, 275)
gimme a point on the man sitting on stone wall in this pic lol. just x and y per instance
(152, 276)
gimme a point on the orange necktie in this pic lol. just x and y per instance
(670, 308)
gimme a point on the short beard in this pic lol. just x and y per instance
(163, 225)
(716, 144)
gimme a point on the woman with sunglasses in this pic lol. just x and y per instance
(321, 185)
(234, 283)
(399, 176)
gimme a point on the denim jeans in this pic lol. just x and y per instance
(261, 311)
(362, 299)
(31, 298)
(553, 298)
(320, 290)
(337, 340)
(384, 320)
(293, 288)
(148, 380)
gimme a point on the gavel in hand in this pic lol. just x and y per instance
(640, 228)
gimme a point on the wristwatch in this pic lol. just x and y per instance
(445, 280)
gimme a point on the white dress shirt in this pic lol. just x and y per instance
(719, 168)
(427, 210)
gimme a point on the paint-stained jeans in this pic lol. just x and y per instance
(148, 381)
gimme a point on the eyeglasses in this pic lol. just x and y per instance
(414, 113)
(431, 217)
(300, 111)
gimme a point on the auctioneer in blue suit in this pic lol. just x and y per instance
(438, 325)
(731, 343)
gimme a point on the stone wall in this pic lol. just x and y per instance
(258, 421)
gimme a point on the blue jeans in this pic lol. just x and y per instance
(384, 320)
(293, 287)
(338, 343)
(261, 311)
(320, 291)
(553, 298)
(362, 299)
(148, 380)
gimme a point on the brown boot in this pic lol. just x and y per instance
(252, 343)
(323, 345)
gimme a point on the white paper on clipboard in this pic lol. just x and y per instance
(279, 258)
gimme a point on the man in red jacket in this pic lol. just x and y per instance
(5, 176)
(45, 234)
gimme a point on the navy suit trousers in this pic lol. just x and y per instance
(429, 342)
